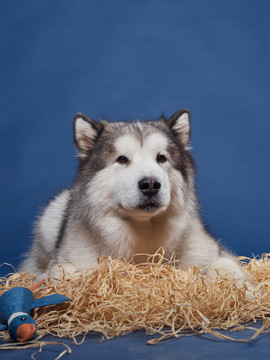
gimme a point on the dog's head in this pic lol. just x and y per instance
(135, 168)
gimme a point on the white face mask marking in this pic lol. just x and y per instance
(118, 184)
(142, 165)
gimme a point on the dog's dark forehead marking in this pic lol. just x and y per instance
(139, 129)
(181, 159)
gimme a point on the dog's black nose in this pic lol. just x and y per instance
(149, 186)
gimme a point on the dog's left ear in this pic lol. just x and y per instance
(179, 123)
(86, 132)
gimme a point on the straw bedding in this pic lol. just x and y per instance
(118, 297)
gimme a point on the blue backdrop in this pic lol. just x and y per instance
(128, 60)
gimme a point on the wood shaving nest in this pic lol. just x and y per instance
(117, 297)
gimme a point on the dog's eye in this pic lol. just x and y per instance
(161, 158)
(122, 160)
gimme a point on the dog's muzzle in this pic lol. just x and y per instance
(149, 187)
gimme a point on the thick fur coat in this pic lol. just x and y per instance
(133, 193)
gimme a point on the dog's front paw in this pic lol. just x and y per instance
(225, 266)
(64, 270)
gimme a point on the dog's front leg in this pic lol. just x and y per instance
(224, 266)
(59, 271)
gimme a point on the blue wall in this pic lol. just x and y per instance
(137, 59)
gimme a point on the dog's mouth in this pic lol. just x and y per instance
(149, 206)
(144, 210)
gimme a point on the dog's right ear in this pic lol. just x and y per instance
(86, 131)
(179, 123)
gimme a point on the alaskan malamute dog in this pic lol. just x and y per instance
(133, 193)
